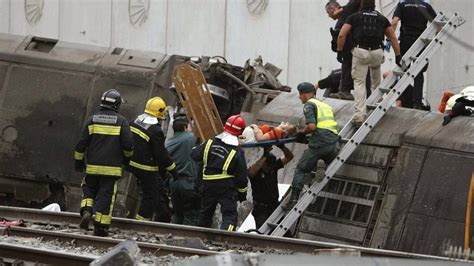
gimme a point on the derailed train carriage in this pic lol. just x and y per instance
(49, 87)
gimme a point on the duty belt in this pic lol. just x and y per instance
(369, 48)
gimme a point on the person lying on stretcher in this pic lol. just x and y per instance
(266, 132)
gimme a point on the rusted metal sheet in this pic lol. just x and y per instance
(196, 98)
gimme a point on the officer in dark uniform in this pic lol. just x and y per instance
(150, 155)
(224, 174)
(106, 142)
(186, 201)
(344, 57)
(413, 15)
(263, 176)
(368, 28)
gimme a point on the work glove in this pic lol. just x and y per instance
(340, 57)
(241, 196)
(300, 137)
(281, 146)
(398, 60)
(79, 166)
(266, 151)
(447, 119)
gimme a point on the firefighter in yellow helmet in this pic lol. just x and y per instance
(224, 174)
(151, 158)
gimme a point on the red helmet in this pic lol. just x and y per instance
(234, 125)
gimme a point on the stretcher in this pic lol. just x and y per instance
(264, 143)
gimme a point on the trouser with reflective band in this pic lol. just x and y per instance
(226, 197)
(261, 212)
(362, 61)
(309, 161)
(99, 194)
(153, 204)
(413, 95)
(186, 202)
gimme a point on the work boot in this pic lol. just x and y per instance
(100, 231)
(86, 217)
(342, 95)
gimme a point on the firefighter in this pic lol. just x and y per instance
(224, 174)
(323, 140)
(186, 201)
(105, 144)
(149, 158)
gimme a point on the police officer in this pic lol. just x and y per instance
(368, 28)
(322, 144)
(344, 57)
(106, 142)
(263, 175)
(413, 15)
(224, 174)
(150, 155)
(186, 201)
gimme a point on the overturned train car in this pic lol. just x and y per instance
(49, 87)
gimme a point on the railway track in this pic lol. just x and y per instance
(218, 238)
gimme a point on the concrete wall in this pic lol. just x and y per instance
(293, 35)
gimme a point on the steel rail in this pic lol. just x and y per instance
(81, 240)
(230, 239)
(43, 256)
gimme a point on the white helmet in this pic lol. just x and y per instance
(451, 102)
(468, 91)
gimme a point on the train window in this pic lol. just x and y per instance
(42, 45)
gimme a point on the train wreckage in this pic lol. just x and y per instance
(405, 188)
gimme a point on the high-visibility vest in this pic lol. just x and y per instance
(325, 116)
(224, 173)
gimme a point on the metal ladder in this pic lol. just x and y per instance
(378, 103)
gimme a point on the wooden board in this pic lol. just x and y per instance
(196, 98)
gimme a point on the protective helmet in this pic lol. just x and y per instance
(452, 101)
(156, 107)
(111, 99)
(469, 90)
(234, 125)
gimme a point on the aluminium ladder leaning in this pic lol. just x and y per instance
(414, 60)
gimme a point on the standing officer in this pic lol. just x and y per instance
(186, 202)
(224, 174)
(263, 176)
(150, 155)
(413, 15)
(322, 144)
(106, 142)
(368, 28)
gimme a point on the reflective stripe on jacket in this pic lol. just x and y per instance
(225, 167)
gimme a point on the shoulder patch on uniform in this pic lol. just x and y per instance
(106, 119)
(307, 109)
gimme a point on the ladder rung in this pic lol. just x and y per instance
(440, 23)
(385, 90)
(272, 225)
(413, 58)
(426, 40)
(398, 73)
(372, 106)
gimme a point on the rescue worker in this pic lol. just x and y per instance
(461, 104)
(323, 140)
(186, 202)
(414, 16)
(224, 174)
(345, 57)
(263, 175)
(105, 144)
(149, 158)
(368, 28)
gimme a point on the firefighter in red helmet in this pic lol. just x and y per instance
(224, 174)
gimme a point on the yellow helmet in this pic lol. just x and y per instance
(156, 107)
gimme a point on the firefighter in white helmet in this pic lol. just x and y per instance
(224, 174)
